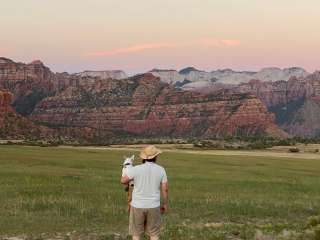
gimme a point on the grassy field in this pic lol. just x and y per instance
(77, 191)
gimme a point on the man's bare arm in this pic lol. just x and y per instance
(165, 196)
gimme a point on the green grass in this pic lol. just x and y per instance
(49, 190)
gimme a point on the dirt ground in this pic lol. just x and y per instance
(306, 151)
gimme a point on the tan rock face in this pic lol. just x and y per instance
(145, 106)
(115, 74)
(5, 101)
(295, 103)
(96, 108)
(14, 126)
(20, 78)
(283, 92)
(29, 83)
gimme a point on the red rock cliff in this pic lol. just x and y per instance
(144, 106)
(296, 103)
(5, 101)
(14, 126)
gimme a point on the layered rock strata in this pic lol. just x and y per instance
(295, 103)
(145, 106)
(14, 126)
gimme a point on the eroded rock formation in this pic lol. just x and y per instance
(14, 126)
(295, 103)
(145, 106)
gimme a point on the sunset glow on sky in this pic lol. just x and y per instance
(136, 36)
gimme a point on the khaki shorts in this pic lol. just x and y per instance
(146, 220)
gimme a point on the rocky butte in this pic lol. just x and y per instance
(295, 103)
(90, 106)
(115, 74)
(190, 78)
(14, 126)
(294, 100)
(146, 107)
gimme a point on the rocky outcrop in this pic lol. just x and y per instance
(168, 76)
(30, 83)
(276, 93)
(305, 122)
(14, 126)
(295, 103)
(145, 106)
(5, 101)
(194, 79)
(114, 74)
(93, 105)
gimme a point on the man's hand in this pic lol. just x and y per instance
(164, 208)
(125, 179)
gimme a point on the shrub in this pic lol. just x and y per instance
(313, 221)
(317, 232)
(294, 150)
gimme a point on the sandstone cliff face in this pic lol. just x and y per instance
(295, 102)
(29, 83)
(14, 126)
(114, 74)
(5, 101)
(305, 122)
(282, 92)
(145, 106)
(92, 105)
(193, 79)
(21, 78)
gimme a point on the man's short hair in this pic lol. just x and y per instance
(150, 160)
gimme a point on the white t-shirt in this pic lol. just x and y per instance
(147, 179)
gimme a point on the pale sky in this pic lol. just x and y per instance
(138, 35)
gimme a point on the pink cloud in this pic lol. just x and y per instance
(132, 49)
(212, 42)
(230, 42)
(207, 42)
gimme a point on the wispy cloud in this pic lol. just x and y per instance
(207, 42)
(131, 49)
(213, 42)
(231, 42)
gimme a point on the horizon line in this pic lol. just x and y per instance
(178, 69)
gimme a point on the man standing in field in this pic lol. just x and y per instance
(149, 180)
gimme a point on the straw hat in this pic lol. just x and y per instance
(149, 152)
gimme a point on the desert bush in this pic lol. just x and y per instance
(294, 150)
(259, 145)
(207, 144)
(313, 221)
(284, 142)
(317, 232)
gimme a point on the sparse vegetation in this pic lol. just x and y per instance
(76, 192)
(294, 150)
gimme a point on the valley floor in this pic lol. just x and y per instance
(74, 193)
(307, 151)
